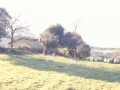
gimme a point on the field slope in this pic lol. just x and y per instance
(39, 72)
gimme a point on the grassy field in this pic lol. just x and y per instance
(39, 72)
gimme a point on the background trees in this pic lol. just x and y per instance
(56, 30)
(47, 40)
(10, 25)
(4, 22)
(71, 41)
(51, 37)
(55, 37)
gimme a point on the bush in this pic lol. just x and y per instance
(2, 49)
(63, 51)
(37, 50)
(24, 48)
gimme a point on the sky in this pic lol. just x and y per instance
(99, 19)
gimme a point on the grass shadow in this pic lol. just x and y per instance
(70, 69)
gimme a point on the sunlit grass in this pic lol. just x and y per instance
(39, 72)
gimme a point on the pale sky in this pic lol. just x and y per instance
(100, 19)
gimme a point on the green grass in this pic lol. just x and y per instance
(39, 72)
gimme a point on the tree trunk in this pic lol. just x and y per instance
(75, 53)
(70, 52)
(44, 50)
(12, 39)
(82, 56)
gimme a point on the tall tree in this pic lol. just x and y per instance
(47, 40)
(51, 37)
(4, 22)
(56, 30)
(71, 41)
(16, 27)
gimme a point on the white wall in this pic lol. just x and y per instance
(30, 43)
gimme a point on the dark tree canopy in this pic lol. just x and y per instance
(72, 39)
(4, 21)
(51, 37)
(56, 29)
(83, 50)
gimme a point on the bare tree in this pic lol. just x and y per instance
(76, 25)
(16, 27)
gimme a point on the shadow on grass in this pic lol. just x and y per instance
(69, 69)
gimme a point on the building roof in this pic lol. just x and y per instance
(25, 38)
